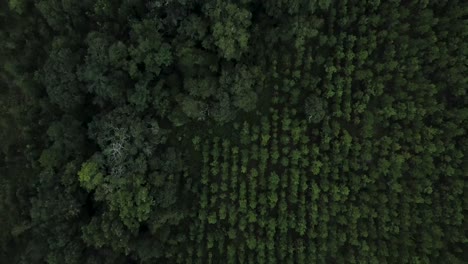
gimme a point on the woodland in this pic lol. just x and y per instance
(233, 131)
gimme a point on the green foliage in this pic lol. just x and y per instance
(59, 76)
(315, 109)
(89, 176)
(18, 6)
(179, 131)
(230, 28)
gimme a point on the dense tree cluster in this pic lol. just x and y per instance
(189, 131)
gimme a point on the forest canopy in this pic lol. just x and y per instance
(233, 131)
